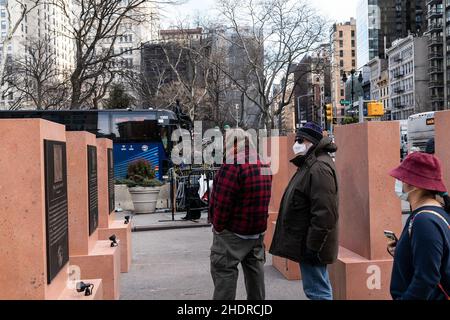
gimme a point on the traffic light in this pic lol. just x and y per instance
(329, 111)
(375, 109)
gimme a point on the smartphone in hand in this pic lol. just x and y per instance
(390, 235)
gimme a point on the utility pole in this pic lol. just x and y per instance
(361, 109)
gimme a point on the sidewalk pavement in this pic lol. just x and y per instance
(174, 265)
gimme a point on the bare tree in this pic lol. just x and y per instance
(96, 28)
(153, 85)
(36, 79)
(16, 12)
(273, 36)
(189, 56)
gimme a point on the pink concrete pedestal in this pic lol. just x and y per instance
(23, 267)
(357, 278)
(270, 229)
(442, 143)
(97, 292)
(368, 206)
(107, 223)
(103, 262)
(123, 234)
(289, 269)
(86, 250)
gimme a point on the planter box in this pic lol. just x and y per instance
(144, 199)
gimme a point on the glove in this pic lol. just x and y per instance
(312, 258)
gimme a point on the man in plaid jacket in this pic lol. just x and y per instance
(238, 210)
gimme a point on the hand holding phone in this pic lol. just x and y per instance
(392, 244)
(390, 235)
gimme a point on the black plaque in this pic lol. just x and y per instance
(92, 188)
(57, 222)
(111, 180)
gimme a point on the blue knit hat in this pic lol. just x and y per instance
(311, 131)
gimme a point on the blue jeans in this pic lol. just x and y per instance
(316, 282)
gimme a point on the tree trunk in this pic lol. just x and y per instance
(76, 93)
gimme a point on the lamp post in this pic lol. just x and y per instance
(352, 74)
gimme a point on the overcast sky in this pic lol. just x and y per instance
(335, 10)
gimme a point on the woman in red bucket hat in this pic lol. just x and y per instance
(421, 268)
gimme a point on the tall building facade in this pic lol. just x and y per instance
(45, 23)
(408, 77)
(134, 34)
(377, 68)
(313, 86)
(380, 22)
(343, 59)
(231, 46)
(437, 54)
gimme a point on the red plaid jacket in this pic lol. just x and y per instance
(240, 199)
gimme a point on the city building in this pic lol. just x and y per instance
(232, 49)
(313, 86)
(181, 36)
(408, 77)
(437, 55)
(141, 27)
(45, 23)
(377, 67)
(134, 33)
(223, 47)
(380, 22)
(343, 59)
(379, 83)
(288, 114)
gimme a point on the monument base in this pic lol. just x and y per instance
(271, 221)
(289, 269)
(355, 278)
(123, 234)
(103, 262)
(72, 294)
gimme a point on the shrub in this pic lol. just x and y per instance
(141, 173)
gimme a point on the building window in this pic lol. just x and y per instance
(341, 63)
(342, 93)
(353, 53)
(353, 63)
(341, 34)
(341, 43)
(341, 53)
(353, 43)
(353, 33)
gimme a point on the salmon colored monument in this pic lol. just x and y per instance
(442, 142)
(34, 213)
(108, 225)
(94, 258)
(280, 180)
(367, 207)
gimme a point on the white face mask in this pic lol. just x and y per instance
(399, 191)
(301, 148)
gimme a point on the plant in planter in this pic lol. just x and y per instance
(143, 186)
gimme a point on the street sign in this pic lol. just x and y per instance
(345, 103)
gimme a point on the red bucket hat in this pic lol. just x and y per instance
(421, 170)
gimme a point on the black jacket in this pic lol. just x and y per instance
(308, 217)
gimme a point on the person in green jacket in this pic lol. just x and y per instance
(307, 224)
